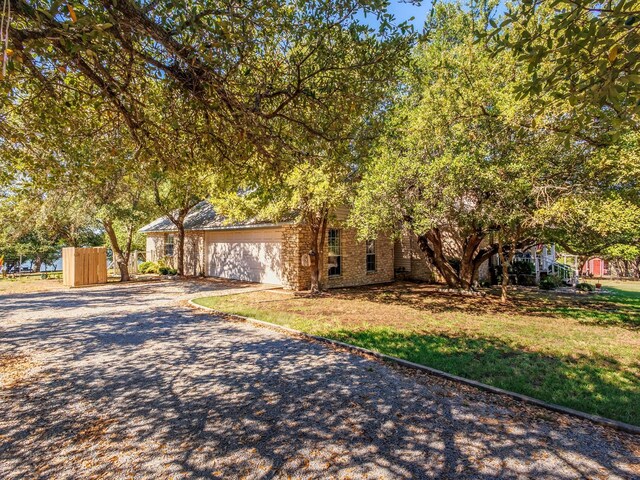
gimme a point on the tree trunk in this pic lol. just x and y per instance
(37, 264)
(121, 258)
(194, 250)
(181, 236)
(314, 257)
(493, 278)
(432, 244)
(505, 260)
(504, 281)
(582, 260)
(318, 229)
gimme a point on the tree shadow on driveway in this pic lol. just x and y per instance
(129, 384)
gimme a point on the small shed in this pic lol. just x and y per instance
(84, 266)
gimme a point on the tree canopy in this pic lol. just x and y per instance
(487, 132)
(582, 50)
(463, 160)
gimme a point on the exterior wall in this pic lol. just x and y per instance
(402, 255)
(193, 251)
(193, 254)
(410, 262)
(421, 268)
(354, 267)
(155, 246)
(297, 242)
(594, 267)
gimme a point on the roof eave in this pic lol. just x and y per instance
(222, 228)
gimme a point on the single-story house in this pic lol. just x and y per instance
(274, 252)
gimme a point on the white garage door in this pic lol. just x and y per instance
(251, 255)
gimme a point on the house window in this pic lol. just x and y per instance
(168, 245)
(335, 253)
(371, 255)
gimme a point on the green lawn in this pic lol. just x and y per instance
(582, 351)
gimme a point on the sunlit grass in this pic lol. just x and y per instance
(29, 283)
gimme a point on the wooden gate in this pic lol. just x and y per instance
(84, 266)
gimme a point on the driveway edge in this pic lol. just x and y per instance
(607, 422)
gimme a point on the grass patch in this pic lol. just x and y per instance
(580, 351)
(30, 283)
(620, 305)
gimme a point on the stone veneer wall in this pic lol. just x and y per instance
(296, 241)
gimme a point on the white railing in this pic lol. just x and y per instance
(546, 262)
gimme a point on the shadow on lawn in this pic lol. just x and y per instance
(595, 385)
(616, 309)
(619, 308)
(163, 392)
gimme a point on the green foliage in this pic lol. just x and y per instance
(165, 270)
(585, 287)
(461, 159)
(522, 267)
(583, 50)
(601, 210)
(550, 282)
(250, 77)
(149, 267)
(623, 252)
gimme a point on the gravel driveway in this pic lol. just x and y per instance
(126, 381)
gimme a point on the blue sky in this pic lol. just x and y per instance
(419, 10)
(404, 11)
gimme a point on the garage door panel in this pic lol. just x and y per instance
(253, 255)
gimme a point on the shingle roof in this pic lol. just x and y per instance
(204, 217)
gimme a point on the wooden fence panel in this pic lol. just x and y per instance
(84, 266)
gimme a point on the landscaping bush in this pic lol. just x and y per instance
(585, 287)
(522, 267)
(148, 267)
(521, 272)
(526, 280)
(165, 270)
(550, 282)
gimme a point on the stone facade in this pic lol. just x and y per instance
(297, 242)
